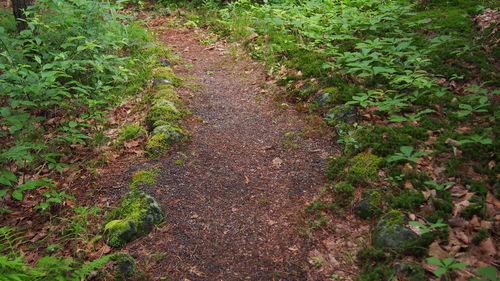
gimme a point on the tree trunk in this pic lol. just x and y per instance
(18, 7)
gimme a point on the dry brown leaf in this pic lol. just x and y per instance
(277, 162)
(488, 247)
(459, 207)
(435, 250)
(492, 205)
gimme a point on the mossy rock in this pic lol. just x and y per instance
(410, 271)
(391, 232)
(323, 99)
(341, 114)
(363, 168)
(166, 73)
(135, 217)
(124, 266)
(163, 138)
(161, 81)
(370, 206)
(167, 92)
(162, 110)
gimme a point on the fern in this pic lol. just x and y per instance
(87, 268)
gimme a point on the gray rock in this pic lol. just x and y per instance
(323, 99)
(391, 232)
(161, 82)
(341, 114)
(165, 62)
(172, 134)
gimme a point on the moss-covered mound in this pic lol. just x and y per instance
(162, 111)
(163, 138)
(391, 232)
(135, 217)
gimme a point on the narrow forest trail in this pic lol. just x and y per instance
(234, 205)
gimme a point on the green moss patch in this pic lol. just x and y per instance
(363, 168)
(135, 217)
(163, 110)
(131, 131)
(168, 74)
(144, 178)
(163, 138)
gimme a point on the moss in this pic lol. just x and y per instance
(363, 168)
(344, 193)
(371, 204)
(167, 92)
(131, 131)
(144, 178)
(164, 137)
(168, 74)
(481, 235)
(336, 167)
(135, 217)
(163, 110)
(124, 266)
(303, 92)
(393, 217)
(157, 144)
(385, 141)
(407, 200)
(338, 95)
(410, 271)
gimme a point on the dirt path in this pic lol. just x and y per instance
(233, 206)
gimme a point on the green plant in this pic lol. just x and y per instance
(446, 266)
(428, 227)
(481, 235)
(344, 193)
(489, 272)
(439, 186)
(479, 107)
(407, 154)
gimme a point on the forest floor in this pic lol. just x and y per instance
(234, 195)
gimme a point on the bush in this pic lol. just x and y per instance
(58, 77)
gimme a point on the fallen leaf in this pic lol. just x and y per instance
(277, 162)
(435, 250)
(488, 247)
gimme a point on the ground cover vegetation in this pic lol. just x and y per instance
(411, 91)
(68, 83)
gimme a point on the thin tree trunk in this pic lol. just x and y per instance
(18, 7)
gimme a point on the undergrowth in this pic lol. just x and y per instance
(409, 87)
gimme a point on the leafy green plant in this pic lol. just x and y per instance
(407, 154)
(428, 227)
(484, 140)
(410, 117)
(489, 272)
(446, 266)
(478, 106)
(438, 186)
